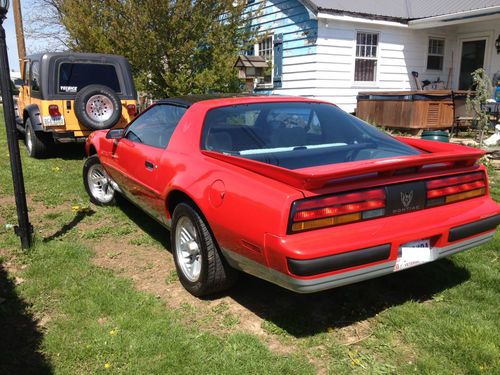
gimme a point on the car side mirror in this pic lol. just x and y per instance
(115, 134)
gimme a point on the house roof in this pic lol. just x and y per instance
(250, 61)
(401, 9)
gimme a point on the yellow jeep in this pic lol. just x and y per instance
(66, 96)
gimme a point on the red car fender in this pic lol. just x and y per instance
(226, 196)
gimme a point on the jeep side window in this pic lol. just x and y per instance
(26, 76)
(35, 76)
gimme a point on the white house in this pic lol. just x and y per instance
(332, 49)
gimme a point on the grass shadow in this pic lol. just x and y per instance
(80, 215)
(149, 225)
(20, 337)
(302, 315)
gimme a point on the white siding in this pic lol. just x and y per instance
(400, 52)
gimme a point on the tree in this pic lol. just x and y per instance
(175, 47)
(476, 103)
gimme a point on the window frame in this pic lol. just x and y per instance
(127, 129)
(256, 50)
(429, 39)
(375, 58)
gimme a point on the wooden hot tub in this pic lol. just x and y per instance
(426, 109)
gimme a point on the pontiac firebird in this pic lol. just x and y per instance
(292, 190)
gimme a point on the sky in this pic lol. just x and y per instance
(10, 34)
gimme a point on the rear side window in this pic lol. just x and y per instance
(296, 135)
(75, 76)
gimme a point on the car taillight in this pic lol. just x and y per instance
(456, 188)
(54, 111)
(337, 209)
(131, 109)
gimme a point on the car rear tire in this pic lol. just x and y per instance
(37, 143)
(98, 107)
(201, 268)
(97, 183)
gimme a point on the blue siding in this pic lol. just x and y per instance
(290, 18)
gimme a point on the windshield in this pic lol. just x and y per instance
(296, 135)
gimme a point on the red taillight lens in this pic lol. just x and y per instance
(131, 109)
(456, 188)
(54, 111)
(337, 209)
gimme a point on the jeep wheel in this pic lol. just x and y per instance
(201, 267)
(98, 107)
(37, 143)
(97, 184)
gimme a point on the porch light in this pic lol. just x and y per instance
(497, 44)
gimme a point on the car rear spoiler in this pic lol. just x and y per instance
(434, 154)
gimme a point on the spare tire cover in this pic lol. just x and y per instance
(98, 107)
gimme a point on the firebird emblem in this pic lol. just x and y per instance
(406, 198)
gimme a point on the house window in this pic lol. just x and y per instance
(435, 54)
(265, 49)
(366, 56)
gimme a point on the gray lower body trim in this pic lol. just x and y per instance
(333, 281)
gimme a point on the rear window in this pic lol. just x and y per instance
(75, 76)
(296, 135)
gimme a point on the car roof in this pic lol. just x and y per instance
(189, 100)
(76, 55)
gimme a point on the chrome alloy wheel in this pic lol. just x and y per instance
(99, 184)
(99, 108)
(187, 248)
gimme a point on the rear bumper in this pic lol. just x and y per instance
(344, 278)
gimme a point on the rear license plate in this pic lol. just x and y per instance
(53, 121)
(413, 253)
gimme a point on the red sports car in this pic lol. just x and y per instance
(292, 190)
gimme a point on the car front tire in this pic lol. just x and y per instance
(201, 268)
(97, 183)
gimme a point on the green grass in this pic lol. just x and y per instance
(440, 318)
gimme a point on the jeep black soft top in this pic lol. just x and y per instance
(51, 84)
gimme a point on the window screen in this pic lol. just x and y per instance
(75, 76)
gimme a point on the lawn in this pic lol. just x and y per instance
(98, 294)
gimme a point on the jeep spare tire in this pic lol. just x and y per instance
(98, 107)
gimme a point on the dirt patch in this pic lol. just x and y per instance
(153, 271)
(355, 332)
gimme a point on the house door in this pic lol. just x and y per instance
(472, 58)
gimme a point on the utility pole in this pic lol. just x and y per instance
(18, 20)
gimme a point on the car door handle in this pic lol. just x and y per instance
(150, 166)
